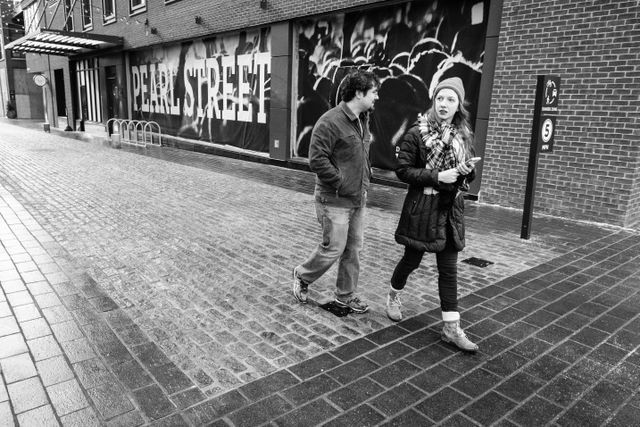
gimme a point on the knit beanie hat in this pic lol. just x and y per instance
(453, 83)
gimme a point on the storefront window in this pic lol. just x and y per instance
(108, 11)
(136, 6)
(87, 20)
(89, 90)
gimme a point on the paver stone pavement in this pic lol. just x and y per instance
(152, 286)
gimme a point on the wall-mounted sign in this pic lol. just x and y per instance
(40, 79)
(216, 89)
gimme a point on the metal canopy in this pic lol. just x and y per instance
(63, 43)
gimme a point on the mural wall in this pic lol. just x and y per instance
(213, 89)
(410, 46)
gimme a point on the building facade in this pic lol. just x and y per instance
(253, 76)
(19, 98)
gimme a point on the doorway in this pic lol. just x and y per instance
(112, 91)
(113, 95)
(61, 96)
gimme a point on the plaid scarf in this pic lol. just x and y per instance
(441, 154)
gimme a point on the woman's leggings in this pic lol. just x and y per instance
(447, 261)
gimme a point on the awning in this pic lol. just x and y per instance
(63, 43)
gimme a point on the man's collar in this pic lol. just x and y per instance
(352, 116)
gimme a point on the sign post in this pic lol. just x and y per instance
(542, 137)
(42, 81)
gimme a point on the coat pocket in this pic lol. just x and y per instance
(419, 220)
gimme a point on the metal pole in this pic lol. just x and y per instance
(527, 215)
(532, 171)
(46, 126)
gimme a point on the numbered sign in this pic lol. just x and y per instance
(543, 129)
(545, 135)
(546, 110)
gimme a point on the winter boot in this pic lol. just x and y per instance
(393, 305)
(452, 333)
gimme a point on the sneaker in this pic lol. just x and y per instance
(353, 304)
(300, 289)
(393, 306)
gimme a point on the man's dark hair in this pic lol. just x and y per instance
(357, 80)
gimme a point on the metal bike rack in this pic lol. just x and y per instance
(135, 132)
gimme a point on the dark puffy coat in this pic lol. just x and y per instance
(425, 218)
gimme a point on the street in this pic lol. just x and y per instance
(138, 285)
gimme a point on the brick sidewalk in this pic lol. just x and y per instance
(559, 346)
(164, 289)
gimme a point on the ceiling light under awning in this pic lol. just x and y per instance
(63, 43)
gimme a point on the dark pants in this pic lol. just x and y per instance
(447, 261)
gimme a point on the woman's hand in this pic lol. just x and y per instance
(448, 176)
(466, 168)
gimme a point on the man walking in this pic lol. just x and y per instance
(339, 156)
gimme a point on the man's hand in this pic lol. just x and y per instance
(449, 176)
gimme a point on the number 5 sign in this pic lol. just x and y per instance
(545, 136)
(546, 109)
(544, 126)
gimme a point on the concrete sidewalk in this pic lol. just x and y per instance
(151, 286)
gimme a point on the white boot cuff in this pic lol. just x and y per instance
(450, 316)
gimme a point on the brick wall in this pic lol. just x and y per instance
(176, 21)
(593, 172)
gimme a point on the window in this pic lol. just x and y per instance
(136, 6)
(88, 91)
(87, 20)
(15, 28)
(68, 13)
(108, 11)
(31, 18)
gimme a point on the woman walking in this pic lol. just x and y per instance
(435, 159)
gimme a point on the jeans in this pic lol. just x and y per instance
(342, 241)
(447, 261)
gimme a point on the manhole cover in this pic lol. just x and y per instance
(478, 262)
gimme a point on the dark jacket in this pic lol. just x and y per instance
(339, 156)
(425, 218)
